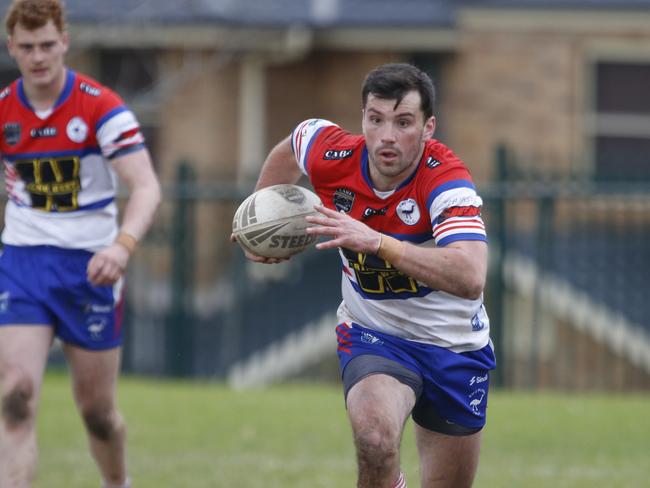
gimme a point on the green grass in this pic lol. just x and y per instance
(198, 434)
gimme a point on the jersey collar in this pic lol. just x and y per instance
(365, 170)
(65, 93)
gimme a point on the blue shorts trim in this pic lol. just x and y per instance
(48, 285)
(454, 385)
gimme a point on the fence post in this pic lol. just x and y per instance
(179, 330)
(496, 281)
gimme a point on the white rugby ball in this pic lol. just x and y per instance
(271, 222)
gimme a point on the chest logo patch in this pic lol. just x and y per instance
(343, 199)
(77, 129)
(408, 211)
(11, 131)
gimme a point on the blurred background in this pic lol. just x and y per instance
(546, 101)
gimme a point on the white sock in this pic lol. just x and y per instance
(127, 484)
(400, 482)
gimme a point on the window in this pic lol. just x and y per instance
(133, 74)
(621, 129)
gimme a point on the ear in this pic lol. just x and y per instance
(429, 128)
(65, 39)
(10, 46)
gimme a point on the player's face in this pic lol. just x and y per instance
(39, 54)
(395, 137)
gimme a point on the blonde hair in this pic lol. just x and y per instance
(33, 14)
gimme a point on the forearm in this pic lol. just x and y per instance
(140, 210)
(459, 270)
(280, 166)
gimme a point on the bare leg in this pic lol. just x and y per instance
(447, 461)
(23, 355)
(378, 407)
(94, 380)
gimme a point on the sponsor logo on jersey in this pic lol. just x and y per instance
(475, 400)
(432, 162)
(343, 199)
(369, 212)
(477, 323)
(332, 154)
(408, 211)
(43, 132)
(11, 132)
(90, 90)
(4, 93)
(77, 129)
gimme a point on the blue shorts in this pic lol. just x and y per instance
(48, 285)
(451, 388)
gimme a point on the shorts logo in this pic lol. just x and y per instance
(343, 199)
(4, 301)
(77, 130)
(96, 326)
(368, 338)
(11, 132)
(408, 211)
(478, 379)
(476, 398)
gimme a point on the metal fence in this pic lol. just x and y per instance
(567, 287)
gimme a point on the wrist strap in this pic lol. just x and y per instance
(390, 249)
(127, 240)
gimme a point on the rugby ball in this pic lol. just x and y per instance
(271, 222)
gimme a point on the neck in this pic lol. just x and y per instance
(42, 97)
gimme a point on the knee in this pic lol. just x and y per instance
(18, 402)
(376, 444)
(103, 423)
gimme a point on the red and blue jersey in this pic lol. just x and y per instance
(59, 179)
(435, 206)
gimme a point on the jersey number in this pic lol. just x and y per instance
(53, 183)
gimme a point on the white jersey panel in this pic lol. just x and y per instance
(68, 230)
(302, 136)
(118, 132)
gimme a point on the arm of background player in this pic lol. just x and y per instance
(280, 166)
(136, 171)
(459, 268)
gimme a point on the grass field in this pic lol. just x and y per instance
(196, 434)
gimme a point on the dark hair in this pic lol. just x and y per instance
(393, 81)
(34, 14)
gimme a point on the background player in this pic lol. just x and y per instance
(413, 334)
(65, 140)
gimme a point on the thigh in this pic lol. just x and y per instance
(94, 374)
(447, 461)
(23, 355)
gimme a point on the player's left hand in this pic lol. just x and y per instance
(345, 231)
(108, 265)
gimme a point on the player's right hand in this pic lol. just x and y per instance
(258, 259)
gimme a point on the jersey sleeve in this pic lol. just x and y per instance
(117, 129)
(303, 138)
(455, 211)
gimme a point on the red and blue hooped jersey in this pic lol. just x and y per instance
(435, 206)
(59, 179)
